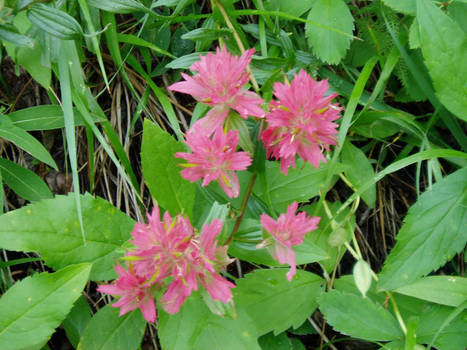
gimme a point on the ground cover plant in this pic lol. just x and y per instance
(265, 174)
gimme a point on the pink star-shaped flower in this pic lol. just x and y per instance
(214, 159)
(219, 84)
(301, 122)
(288, 230)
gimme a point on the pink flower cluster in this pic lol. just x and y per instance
(168, 254)
(301, 121)
(288, 230)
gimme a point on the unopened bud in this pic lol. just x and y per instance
(362, 276)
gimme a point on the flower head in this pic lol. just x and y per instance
(134, 291)
(301, 122)
(219, 82)
(214, 159)
(288, 230)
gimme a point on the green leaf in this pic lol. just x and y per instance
(271, 342)
(457, 10)
(359, 171)
(194, 327)
(25, 141)
(404, 6)
(162, 172)
(358, 317)
(327, 36)
(299, 185)
(185, 62)
(446, 323)
(24, 182)
(45, 297)
(54, 21)
(294, 8)
(445, 290)
(51, 228)
(10, 34)
(77, 320)
(45, 117)
(206, 34)
(444, 47)
(434, 230)
(274, 303)
(109, 331)
(118, 6)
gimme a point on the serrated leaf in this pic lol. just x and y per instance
(274, 303)
(404, 6)
(299, 185)
(162, 172)
(271, 342)
(444, 47)
(24, 182)
(444, 290)
(331, 32)
(433, 231)
(358, 317)
(359, 171)
(45, 297)
(109, 331)
(25, 141)
(194, 327)
(51, 228)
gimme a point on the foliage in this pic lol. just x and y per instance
(396, 75)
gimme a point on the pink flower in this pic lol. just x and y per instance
(288, 230)
(219, 83)
(160, 246)
(301, 121)
(134, 292)
(204, 260)
(214, 159)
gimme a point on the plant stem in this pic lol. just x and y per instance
(242, 208)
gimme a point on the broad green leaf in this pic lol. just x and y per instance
(433, 231)
(25, 141)
(206, 34)
(444, 47)
(162, 172)
(457, 10)
(274, 303)
(28, 58)
(325, 236)
(450, 336)
(379, 124)
(118, 6)
(445, 290)
(194, 327)
(45, 117)
(77, 320)
(299, 185)
(271, 342)
(405, 6)
(359, 171)
(35, 306)
(24, 182)
(294, 8)
(109, 331)
(10, 34)
(331, 32)
(51, 228)
(358, 317)
(54, 21)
